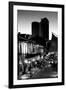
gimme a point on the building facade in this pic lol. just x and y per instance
(44, 29)
(35, 28)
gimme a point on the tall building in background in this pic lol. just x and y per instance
(44, 29)
(35, 28)
(40, 31)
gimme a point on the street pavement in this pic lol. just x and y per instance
(47, 72)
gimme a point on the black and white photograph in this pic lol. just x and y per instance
(37, 53)
(37, 44)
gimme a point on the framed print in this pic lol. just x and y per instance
(36, 44)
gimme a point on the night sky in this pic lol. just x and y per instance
(26, 17)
